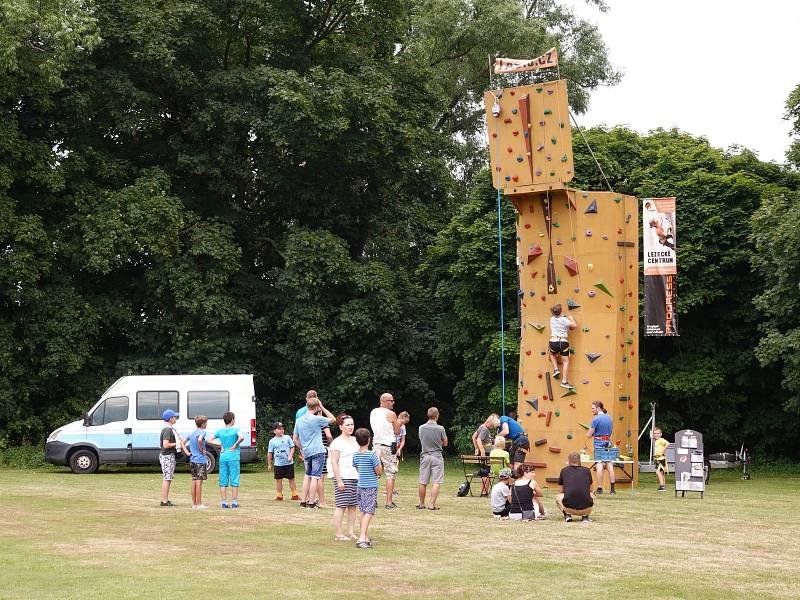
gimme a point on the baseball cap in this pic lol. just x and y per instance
(276, 424)
(505, 473)
(169, 413)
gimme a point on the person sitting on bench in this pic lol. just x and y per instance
(576, 498)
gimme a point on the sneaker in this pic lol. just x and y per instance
(585, 520)
(613, 491)
(225, 504)
(303, 505)
(598, 492)
(278, 498)
(389, 506)
(295, 497)
(201, 507)
(661, 488)
(556, 374)
(312, 505)
(364, 545)
(567, 518)
(167, 503)
(235, 504)
(564, 384)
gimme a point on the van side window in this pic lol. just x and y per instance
(211, 404)
(111, 410)
(150, 406)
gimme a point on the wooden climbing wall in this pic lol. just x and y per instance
(530, 140)
(579, 249)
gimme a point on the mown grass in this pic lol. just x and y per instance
(104, 536)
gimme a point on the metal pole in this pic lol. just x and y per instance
(502, 317)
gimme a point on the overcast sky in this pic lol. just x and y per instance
(721, 69)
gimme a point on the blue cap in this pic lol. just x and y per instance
(169, 413)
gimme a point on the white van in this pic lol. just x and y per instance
(124, 426)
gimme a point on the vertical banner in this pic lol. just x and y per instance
(660, 267)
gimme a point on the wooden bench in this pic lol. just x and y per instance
(471, 462)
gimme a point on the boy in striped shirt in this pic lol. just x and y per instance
(369, 469)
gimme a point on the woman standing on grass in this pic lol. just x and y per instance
(345, 477)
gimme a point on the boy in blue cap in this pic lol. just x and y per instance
(198, 462)
(170, 440)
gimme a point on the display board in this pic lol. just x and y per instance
(689, 462)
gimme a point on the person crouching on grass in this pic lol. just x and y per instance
(369, 469)
(228, 439)
(198, 461)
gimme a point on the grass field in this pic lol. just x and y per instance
(104, 536)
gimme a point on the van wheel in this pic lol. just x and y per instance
(212, 462)
(83, 462)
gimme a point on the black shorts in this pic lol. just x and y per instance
(519, 457)
(561, 348)
(284, 472)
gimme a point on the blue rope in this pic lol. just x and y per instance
(502, 320)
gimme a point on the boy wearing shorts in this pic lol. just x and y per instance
(280, 454)
(660, 457)
(198, 461)
(559, 342)
(369, 469)
(228, 439)
(170, 440)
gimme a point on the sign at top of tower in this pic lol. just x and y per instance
(517, 65)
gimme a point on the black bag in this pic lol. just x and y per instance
(463, 489)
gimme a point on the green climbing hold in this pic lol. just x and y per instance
(571, 351)
(556, 225)
(621, 309)
(569, 392)
(558, 413)
(571, 304)
(573, 238)
(584, 425)
(564, 158)
(602, 287)
(552, 173)
(553, 140)
(585, 330)
(547, 111)
(629, 341)
(538, 90)
(617, 199)
(621, 418)
(569, 436)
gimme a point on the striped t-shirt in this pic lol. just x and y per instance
(365, 463)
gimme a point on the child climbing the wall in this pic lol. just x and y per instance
(559, 343)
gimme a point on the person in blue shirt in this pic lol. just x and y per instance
(308, 436)
(228, 439)
(369, 469)
(509, 428)
(198, 461)
(600, 430)
(280, 453)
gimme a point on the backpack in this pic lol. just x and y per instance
(463, 489)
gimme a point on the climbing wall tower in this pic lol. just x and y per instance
(574, 248)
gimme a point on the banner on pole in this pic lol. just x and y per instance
(517, 65)
(660, 267)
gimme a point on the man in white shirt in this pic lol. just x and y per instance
(385, 427)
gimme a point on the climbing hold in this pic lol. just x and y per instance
(556, 225)
(510, 149)
(541, 123)
(630, 406)
(534, 403)
(539, 375)
(588, 233)
(593, 356)
(628, 433)
(572, 238)
(628, 219)
(585, 381)
(538, 90)
(553, 140)
(571, 350)
(564, 158)
(606, 382)
(605, 237)
(534, 250)
(569, 392)
(549, 157)
(540, 442)
(514, 111)
(617, 199)
(571, 264)
(494, 135)
(508, 177)
(571, 304)
(592, 209)
(569, 436)
(515, 178)
(572, 404)
(591, 293)
(525, 134)
(558, 413)
(621, 309)
(550, 92)
(602, 287)
(538, 172)
(507, 120)
(511, 92)
(528, 414)
(576, 290)
(520, 159)
(548, 418)
(554, 449)
(585, 330)
(583, 425)
(540, 147)
(619, 231)
(537, 326)
(547, 111)
(558, 243)
(552, 173)
(515, 133)
(561, 124)
(533, 275)
(620, 418)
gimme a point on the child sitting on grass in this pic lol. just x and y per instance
(501, 494)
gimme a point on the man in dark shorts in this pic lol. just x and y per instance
(280, 453)
(519, 450)
(560, 327)
(575, 499)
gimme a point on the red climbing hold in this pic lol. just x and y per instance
(571, 265)
(534, 250)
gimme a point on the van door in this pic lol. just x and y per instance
(109, 430)
(148, 423)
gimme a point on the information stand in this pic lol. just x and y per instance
(689, 462)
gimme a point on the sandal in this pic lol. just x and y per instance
(434, 508)
(421, 506)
